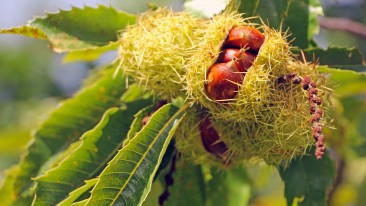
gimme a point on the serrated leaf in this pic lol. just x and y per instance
(347, 58)
(58, 157)
(93, 27)
(137, 123)
(65, 125)
(128, 177)
(188, 187)
(97, 147)
(228, 188)
(75, 194)
(136, 127)
(308, 178)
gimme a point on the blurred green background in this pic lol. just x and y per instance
(33, 79)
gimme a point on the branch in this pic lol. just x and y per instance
(343, 24)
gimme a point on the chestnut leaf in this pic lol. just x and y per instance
(95, 148)
(308, 178)
(128, 177)
(65, 125)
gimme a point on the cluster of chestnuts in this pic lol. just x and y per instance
(224, 77)
(244, 86)
(237, 55)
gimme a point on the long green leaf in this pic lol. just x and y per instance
(308, 178)
(137, 123)
(65, 125)
(92, 28)
(74, 195)
(97, 147)
(128, 177)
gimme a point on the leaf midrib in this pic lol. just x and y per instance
(145, 154)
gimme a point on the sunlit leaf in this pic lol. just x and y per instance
(128, 177)
(66, 124)
(308, 178)
(75, 194)
(55, 159)
(137, 123)
(80, 203)
(81, 29)
(136, 126)
(97, 147)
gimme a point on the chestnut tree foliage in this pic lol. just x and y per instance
(95, 148)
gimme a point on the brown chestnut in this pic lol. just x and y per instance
(223, 80)
(244, 36)
(211, 139)
(243, 59)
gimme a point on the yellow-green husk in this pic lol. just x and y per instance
(169, 54)
(155, 50)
